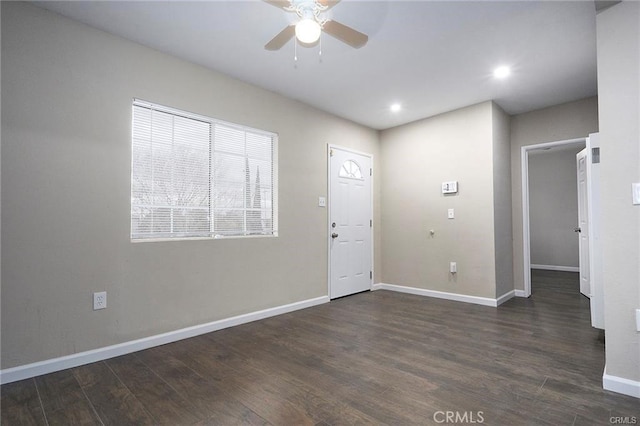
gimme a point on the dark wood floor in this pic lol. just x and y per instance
(373, 358)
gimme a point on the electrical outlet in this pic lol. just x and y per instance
(453, 267)
(99, 300)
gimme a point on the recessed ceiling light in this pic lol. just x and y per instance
(502, 72)
(395, 107)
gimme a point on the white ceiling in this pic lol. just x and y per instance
(429, 56)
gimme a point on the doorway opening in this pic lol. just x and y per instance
(549, 210)
(590, 263)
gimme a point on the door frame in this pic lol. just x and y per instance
(329, 198)
(526, 236)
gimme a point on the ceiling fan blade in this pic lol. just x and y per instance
(345, 34)
(281, 39)
(278, 3)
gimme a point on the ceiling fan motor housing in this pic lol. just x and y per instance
(308, 9)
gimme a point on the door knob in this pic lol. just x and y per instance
(334, 235)
(577, 230)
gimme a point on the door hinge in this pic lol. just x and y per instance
(331, 152)
(370, 172)
(370, 223)
(370, 275)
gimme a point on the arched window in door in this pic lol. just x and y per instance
(350, 169)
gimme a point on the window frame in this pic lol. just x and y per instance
(212, 122)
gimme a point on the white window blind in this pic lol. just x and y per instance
(194, 176)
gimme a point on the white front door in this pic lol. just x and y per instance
(583, 222)
(350, 222)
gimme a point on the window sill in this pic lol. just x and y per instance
(230, 237)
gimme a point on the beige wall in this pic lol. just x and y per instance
(417, 158)
(561, 122)
(618, 30)
(553, 207)
(66, 117)
(502, 222)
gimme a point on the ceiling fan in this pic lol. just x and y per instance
(308, 29)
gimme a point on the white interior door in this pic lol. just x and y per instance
(595, 249)
(583, 222)
(350, 222)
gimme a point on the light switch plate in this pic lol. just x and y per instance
(451, 214)
(637, 319)
(322, 202)
(636, 193)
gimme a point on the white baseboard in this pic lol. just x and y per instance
(21, 372)
(556, 268)
(509, 295)
(520, 293)
(620, 385)
(485, 301)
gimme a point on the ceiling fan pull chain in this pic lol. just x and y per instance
(295, 50)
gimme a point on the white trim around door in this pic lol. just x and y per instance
(526, 236)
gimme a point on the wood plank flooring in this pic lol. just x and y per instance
(373, 358)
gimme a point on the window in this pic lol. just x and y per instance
(194, 176)
(350, 169)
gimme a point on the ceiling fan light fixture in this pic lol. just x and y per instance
(308, 30)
